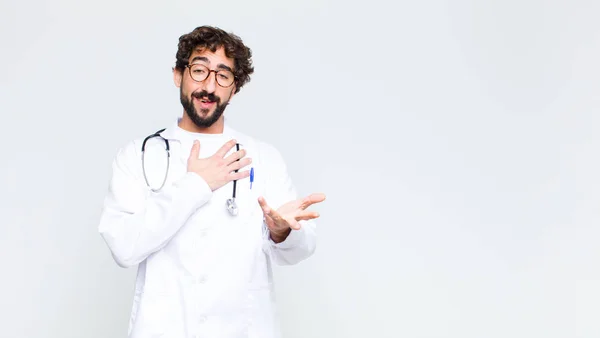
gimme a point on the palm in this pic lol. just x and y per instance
(290, 211)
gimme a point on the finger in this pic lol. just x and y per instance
(269, 221)
(235, 156)
(239, 164)
(306, 215)
(236, 176)
(295, 225)
(225, 148)
(195, 152)
(268, 211)
(264, 206)
(312, 199)
(268, 218)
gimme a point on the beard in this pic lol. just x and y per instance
(192, 113)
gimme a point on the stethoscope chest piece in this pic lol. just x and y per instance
(232, 206)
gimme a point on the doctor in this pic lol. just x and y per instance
(203, 270)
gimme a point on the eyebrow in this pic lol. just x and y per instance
(205, 59)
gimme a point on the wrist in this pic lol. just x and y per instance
(280, 236)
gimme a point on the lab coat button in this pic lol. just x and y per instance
(201, 280)
(202, 319)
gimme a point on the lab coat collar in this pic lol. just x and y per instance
(172, 132)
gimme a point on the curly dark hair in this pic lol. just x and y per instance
(213, 38)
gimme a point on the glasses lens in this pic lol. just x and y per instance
(225, 78)
(199, 72)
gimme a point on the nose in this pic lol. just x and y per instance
(210, 83)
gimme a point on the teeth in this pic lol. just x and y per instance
(205, 100)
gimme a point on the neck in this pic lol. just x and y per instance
(187, 124)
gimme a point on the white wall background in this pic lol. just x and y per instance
(458, 143)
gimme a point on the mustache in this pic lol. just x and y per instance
(204, 94)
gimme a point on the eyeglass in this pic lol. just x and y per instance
(200, 73)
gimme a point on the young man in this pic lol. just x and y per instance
(204, 230)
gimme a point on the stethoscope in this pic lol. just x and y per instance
(231, 205)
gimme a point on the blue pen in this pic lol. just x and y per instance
(251, 176)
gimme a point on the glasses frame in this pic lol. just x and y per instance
(189, 67)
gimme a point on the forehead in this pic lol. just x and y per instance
(216, 58)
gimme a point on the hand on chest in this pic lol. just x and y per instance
(232, 200)
(237, 200)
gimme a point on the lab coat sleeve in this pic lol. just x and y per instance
(136, 222)
(300, 244)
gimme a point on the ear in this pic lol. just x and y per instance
(177, 77)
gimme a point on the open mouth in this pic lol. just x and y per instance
(205, 102)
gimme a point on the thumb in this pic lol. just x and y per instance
(195, 152)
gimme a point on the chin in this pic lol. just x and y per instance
(205, 114)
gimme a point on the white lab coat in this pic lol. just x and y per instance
(201, 271)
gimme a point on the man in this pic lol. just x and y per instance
(204, 255)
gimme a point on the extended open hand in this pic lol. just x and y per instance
(281, 221)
